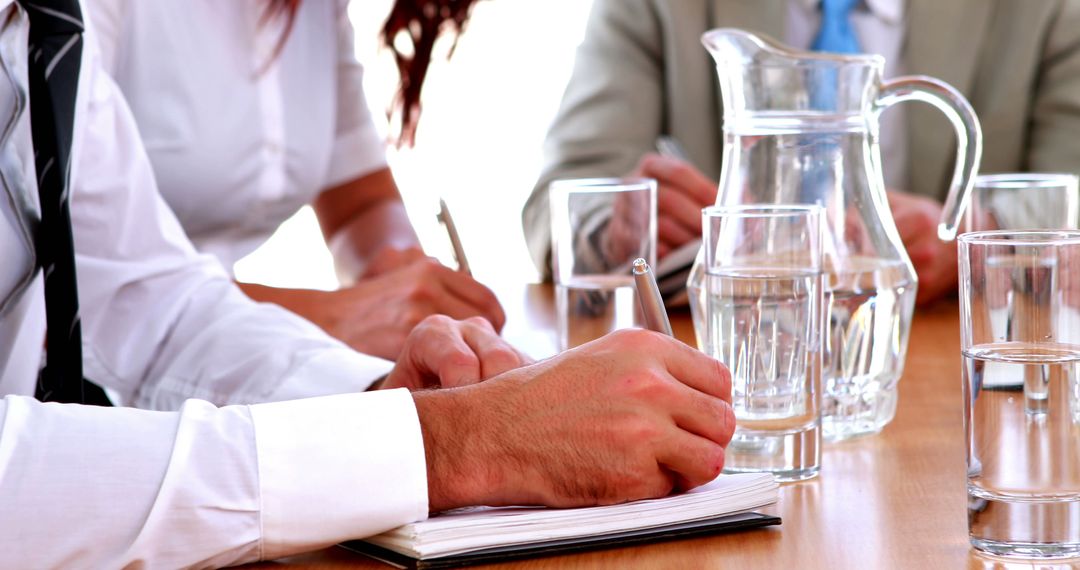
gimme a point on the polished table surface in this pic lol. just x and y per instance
(893, 500)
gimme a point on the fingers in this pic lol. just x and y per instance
(460, 353)
(694, 460)
(915, 225)
(683, 192)
(704, 416)
(679, 174)
(670, 234)
(473, 293)
(440, 350)
(495, 354)
(440, 301)
(696, 370)
(916, 217)
(679, 208)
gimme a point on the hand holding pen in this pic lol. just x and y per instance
(682, 192)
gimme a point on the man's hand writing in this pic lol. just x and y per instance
(630, 416)
(682, 191)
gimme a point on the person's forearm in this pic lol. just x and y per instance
(299, 301)
(361, 218)
(382, 226)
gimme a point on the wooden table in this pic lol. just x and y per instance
(893, 500)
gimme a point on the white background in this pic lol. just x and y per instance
(486, 111)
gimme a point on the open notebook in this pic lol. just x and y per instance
(484, 534)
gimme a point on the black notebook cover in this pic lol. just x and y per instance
(726, 523)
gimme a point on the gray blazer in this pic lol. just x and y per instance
(642, 72)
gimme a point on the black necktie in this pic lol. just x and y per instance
(55, 52)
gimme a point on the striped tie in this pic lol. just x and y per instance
(55, 52)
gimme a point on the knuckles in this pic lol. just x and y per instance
(503, 357)
(636, 340)
(432, 324)
(645, 385)
(480, 323)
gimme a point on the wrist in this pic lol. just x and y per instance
(459, 471)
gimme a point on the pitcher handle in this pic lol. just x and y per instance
(968, 137)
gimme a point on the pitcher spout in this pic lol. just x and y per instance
(758, 74)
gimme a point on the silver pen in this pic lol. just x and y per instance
(455, 239)
(652, 305)
(669, 147)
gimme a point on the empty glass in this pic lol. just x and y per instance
(599, 226)
(1024, 201)
(764, 306)
(1020, 338)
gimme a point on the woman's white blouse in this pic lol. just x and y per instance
(239, 139)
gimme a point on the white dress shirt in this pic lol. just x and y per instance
(880, 29)
(239, 139)
(197, 485)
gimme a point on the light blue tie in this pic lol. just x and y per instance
(836, 33)
(838, 36)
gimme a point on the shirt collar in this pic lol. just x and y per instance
(892, 11)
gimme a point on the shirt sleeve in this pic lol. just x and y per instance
(108, 20)
(162, 323)
(92, 487)
(617, 74)
(358, 147)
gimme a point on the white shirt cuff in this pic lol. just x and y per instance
(338, 467)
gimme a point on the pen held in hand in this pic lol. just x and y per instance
(669, 147)
(455, 239)
(652, 305)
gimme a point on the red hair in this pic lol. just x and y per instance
(416, 24)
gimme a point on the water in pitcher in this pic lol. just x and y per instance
(869, 317)
(1023, 448)
(767, 330)
(802, 128)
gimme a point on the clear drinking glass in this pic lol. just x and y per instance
(1020, 337)
(599, 226)
(1024, 201)
(765, 294)
(802, 127)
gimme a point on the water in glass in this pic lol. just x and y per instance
(767, 329)
(1023, 430)
(802, 128)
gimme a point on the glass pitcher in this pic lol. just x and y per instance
(802, 128)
